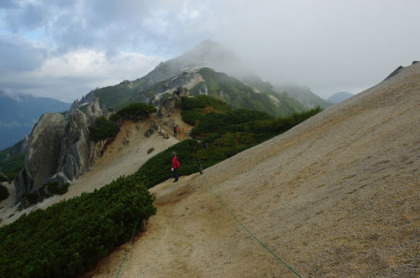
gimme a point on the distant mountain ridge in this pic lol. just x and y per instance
(19, 113)
(339, 97)
(209, 69)
(305, 96)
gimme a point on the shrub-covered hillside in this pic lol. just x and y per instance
(12, 161)
(68, 238)
(220, 132)
(240, 95)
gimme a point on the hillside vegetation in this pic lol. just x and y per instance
(71, 236)
(252, 94)
(12, 161)
(104, 128)
(240, 95)
(225, 131)
(68, 238)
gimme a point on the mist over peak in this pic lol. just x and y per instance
(209, 54)
(212, 54)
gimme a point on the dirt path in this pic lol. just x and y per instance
(337, 196)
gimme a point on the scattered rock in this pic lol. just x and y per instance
(152, 128)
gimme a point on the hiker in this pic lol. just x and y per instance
(175, 166)
(175, 130)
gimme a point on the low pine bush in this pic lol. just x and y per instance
(54, 188)
(133, 112)
(103, 129)
(4, 193)
(225, 132)
(68, 238)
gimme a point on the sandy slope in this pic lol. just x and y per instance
(337, 196)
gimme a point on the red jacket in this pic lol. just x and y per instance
(175, 162)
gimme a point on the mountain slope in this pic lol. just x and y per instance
(305, 96)
(339, 97)
(207, 69)
(336, 196)
(19, 114)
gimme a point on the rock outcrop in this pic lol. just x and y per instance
(165, 107)
(59, 150)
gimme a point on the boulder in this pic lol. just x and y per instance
(77, 151)
(59, 150)
(44, 147)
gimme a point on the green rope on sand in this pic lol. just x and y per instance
(128, 248)
(247, 230)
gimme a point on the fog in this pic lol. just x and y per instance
(63, 49)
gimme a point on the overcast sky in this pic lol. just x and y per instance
(63, 49)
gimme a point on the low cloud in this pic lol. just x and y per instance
(69, 76)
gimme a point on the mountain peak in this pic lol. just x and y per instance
(209, 48)
(211, 54)
(207, 54)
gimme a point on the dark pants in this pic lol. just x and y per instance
(176, 174)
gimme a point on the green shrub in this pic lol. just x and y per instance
(226, 134)
(4, 193)
(134, 112)
(3, 178)
(223, 122)
(68, 238)
(102, 130)
(193, 109)
(54, 188)
(11, 162)
(158, 168)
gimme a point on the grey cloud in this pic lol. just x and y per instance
(327, 45)
(17, 54)
(111, 25)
